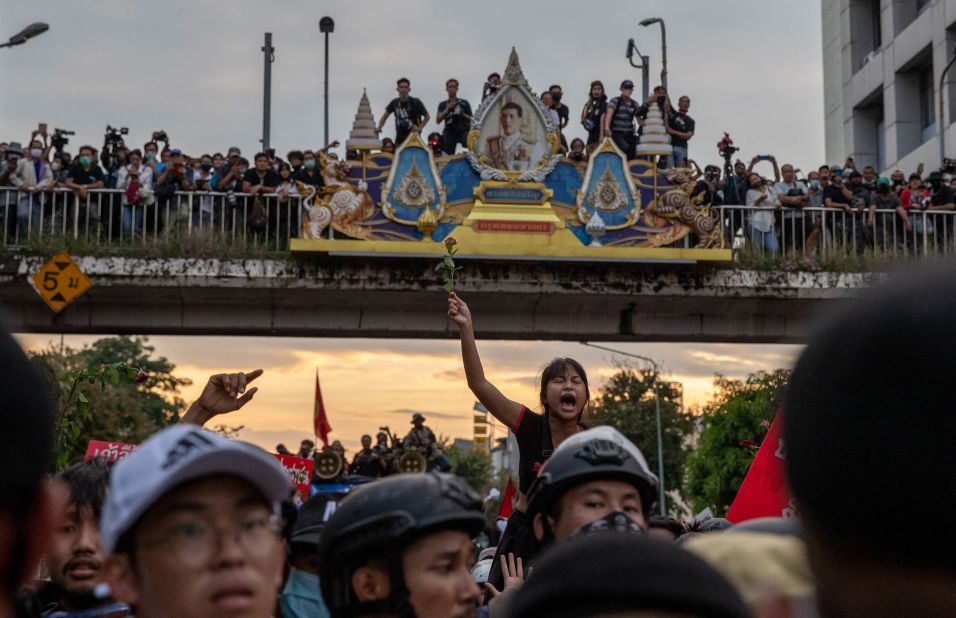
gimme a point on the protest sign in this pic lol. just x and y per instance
(110, 451)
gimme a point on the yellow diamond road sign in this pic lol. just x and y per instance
(60, 281)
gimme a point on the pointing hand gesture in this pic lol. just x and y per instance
(224, 392)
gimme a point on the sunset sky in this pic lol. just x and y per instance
(369, 383)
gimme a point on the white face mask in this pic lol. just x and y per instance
(56, 166)
(36, 153)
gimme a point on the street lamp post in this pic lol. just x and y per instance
(644, 66)
(35, 29)
(657, 405)
(326, 27)
(940, 130)
(658, 20)
(269, 53)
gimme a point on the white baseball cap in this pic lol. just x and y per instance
(173, 456)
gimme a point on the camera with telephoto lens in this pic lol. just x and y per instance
(434, 142)
(949, 166)
(588, 124)
(114, 136)
(160, 136)
(59, 139)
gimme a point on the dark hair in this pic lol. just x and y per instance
(244, 161)
(135, 151)
(513, 105)
(672, 525)
(87, 147)
(450, 80)
(148, 144)
(366, 436)
(577, 139)
(871, 439)
(205, 156)
(260, 155)
(556, 369)
(498, 75)
(285, 166)
(823, 167)
(596, 82)
(87, 483)
(388, 140)
(403, 80)
(553, 86)
(916, 176)
(295, 154)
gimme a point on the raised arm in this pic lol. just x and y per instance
(502, 408)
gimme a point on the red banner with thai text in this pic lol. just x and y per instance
(299, 470)
(110, 451)
(764, 492)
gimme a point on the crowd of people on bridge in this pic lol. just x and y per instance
(194, 523)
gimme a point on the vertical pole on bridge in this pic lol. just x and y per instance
(269, 55)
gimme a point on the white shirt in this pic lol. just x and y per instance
(762, 220)
(123, 179)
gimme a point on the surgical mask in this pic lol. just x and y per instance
(615, 521)
(84, 160)
(309, 164)
(36, 153)
(150, 154)
(206, 167)
(301, 597)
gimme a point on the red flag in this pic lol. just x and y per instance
(319, 420)
(764, 492)
(507, 501)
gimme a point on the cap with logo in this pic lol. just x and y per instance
(627, 84)
(313, 516)
(174, 456)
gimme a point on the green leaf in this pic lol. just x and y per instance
(449, 287)
(440, 266)
(448, 262)
(82, 398)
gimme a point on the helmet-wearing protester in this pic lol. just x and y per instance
(624, 575)
(191, 528)
(402, 546)
(302, 596)
(878, 442)
(75, 557)
(28, 508)
(595, 480)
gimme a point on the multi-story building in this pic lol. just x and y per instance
(882, 64)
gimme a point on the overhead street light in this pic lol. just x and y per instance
(26, 34)
(326, 27)
(657, 20)
(644, 66)
(657, 404)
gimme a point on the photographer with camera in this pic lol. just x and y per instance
(435, 143)
(761, 220)
(172, 178)
(410, 113)
(456, 114)
(491, 86)
(114, 154)
(592, 115)
(136, 182)
(202, 181)
(578, 152)
(706, 192)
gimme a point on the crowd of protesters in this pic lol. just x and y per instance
(194, 523)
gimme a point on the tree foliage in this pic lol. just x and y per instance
(473, 465)
(627, 403)
(99, 398)
(733, 425)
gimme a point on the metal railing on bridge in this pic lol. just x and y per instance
(831, 232)
(103, 219)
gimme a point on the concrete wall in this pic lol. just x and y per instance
(391, 297)
(884, 77)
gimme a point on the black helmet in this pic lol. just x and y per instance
(599, 453)
(380, 520)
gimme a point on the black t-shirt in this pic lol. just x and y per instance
(408, 113)
(711, 198)
(835, 194)
(596, 112)
(458, 119)
(682, 123)
(563, 114)
(271, 179)
(535, 446)
(310, 177)
(81, 176)
(861, 197)
(943, 196)
(366, 464)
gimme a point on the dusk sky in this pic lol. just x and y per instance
(195, 70)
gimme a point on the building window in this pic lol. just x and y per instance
(927, 115)
(876, 24)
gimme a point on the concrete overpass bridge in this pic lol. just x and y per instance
(400, 297)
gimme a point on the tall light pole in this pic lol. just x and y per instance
(35, 29)
(269, 53)
(326, 27)
(644, 66)
(940, 130)
(657, 20)
(657, 405)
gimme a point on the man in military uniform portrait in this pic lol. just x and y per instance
(511, 150)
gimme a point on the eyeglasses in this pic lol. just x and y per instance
(194, 540)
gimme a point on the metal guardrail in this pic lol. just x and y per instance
(831, 232)
(103, 217)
